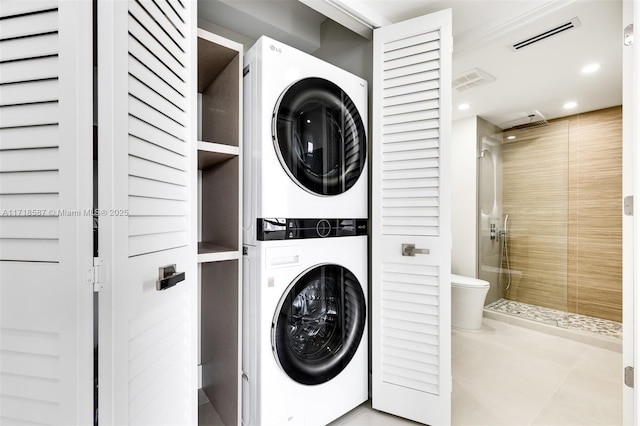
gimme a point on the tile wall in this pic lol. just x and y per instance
(595, 214)
(563, 193)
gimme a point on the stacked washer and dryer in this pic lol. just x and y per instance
(305, 239)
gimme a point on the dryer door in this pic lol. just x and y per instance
(318, 324)
(319, 136)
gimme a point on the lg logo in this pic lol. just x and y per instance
(275, 49)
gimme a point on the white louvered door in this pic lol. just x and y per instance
(148, 338)
(46, 331)
(411, 324)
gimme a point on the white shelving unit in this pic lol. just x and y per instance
(219, 87)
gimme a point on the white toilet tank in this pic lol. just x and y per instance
(467, 301)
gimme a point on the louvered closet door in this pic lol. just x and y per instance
(411, 205)
(46, 333)
(148, 338)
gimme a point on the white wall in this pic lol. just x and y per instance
(346, 50)
(464, 197)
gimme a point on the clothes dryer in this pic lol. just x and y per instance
(304, 330)
(305, 137)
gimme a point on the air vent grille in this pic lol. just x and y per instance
(532, 120)
(573, 23)
(472, 78)
(530, 125)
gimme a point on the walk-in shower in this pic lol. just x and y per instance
(549, 226)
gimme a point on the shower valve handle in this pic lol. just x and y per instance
(411, 250)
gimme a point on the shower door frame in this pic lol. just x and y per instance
(538, 222)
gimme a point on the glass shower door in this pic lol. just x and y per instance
(523, 241)
(489, 212)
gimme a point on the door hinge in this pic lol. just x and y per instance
(628, 376)
(628, 205)
(96, 275)
(628, 35)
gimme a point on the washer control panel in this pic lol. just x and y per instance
(273, 229)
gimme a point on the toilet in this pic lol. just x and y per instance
(467, 301)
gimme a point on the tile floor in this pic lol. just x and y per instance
(505, 374)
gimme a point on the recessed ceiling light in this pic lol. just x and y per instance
(591, 68)
(511, 137)
(570, 105)
(463, 107)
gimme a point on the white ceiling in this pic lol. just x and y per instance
(545, 75)
(536, 79)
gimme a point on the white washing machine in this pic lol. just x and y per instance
(305, 137)
(304, 330)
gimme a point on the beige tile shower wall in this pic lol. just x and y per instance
(535, 191)
(563, 192)
(595, 217)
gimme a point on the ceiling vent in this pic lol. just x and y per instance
(531, 121)
(574, 23)
(472, 78)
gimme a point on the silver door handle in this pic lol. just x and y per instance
(168, 277)
(411, 250)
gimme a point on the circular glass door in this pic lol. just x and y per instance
(319, 136)
(318, 324)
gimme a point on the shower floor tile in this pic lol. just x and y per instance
(559, 318)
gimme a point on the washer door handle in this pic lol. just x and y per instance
(411, 250)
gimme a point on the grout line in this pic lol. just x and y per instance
(555, 392)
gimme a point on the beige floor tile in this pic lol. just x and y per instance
(534, 343)
(601, 364)
(470, 409)
(364, 415)
(555, 415)
(508, 375)
(376, 418)
(585, 399)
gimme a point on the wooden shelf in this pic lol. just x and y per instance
(214, 253)
(219, 89)
(211, 154)
(219, 153)
(214, 54)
